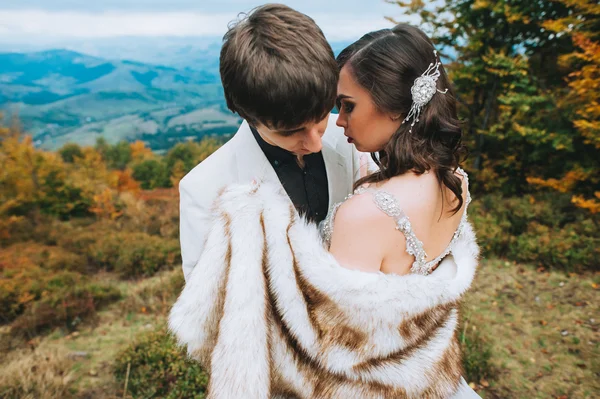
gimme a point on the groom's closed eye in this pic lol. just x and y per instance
(288, 133)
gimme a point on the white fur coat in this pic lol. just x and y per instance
(269, 313)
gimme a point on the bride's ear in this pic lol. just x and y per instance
(395, 117)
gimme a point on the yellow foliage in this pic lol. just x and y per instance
(139, 151)
(123, 181)
(564, 185)
(104, 205)
(591, 204)
(177, 173)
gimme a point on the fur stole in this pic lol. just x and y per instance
(269, 313)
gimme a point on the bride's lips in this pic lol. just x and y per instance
(350, 139)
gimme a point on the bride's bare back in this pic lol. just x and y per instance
(403, 225)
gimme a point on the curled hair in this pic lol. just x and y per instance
(386, 63)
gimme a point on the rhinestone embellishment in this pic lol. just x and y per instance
(422, 90)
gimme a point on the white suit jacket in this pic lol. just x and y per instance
(241, 160)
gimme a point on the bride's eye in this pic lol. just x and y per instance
(348, 107)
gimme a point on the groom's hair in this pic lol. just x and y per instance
(277, 68)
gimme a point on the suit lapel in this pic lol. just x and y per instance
(251, 162)
(337, 174)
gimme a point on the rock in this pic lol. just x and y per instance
(77, 355)
(564, 333)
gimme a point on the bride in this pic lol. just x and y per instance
(366, 306)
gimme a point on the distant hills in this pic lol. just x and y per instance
(65, 96)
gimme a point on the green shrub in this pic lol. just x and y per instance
(160, 369)
(79, 241)
(36, 227)
(28, 271)
(66, 301)
(144, 255)
(104, 251)
(131, 254)
(83, 233)
(546, 229)
(155, 295)
(37, 289)
(560, 248)
(135, 254)
(151, 173)
(18, 287)
(476, 356)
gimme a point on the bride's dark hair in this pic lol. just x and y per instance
(386, 63)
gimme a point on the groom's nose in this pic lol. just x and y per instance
(313, 141)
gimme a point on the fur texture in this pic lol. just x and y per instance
(269, 313)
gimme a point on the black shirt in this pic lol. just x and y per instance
(306, 187)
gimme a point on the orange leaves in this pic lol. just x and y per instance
(104, 205)
(591, 205)
(139, 151)
(123, 181)
(564, 185)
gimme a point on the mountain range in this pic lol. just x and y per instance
(62, 95)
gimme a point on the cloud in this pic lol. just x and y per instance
(71, 24)
(45, 24)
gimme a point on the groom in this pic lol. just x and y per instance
(280, 75)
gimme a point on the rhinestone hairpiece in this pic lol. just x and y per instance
(423, 90)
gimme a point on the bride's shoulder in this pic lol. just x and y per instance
(362, 217)
(359, 239)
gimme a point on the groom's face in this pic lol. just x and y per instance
(301, 140)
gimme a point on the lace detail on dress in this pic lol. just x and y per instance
(326, 226)
(391, 207)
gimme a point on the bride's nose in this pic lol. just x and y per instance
(341, 121)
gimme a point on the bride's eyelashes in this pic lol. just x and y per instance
(345, 106)
(348, 106)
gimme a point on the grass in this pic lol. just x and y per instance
(42, 374)
(538, 327)
(542, 328)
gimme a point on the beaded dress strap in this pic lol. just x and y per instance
(391, 207)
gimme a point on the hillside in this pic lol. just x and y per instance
(63, 96)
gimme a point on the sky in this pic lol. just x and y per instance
(47, 20)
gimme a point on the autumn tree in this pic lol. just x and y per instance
(581, 101)
(34, 180)
(511, 79)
